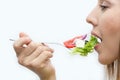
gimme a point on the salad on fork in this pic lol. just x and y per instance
(79, 45)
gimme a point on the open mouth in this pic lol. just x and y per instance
(97, 36)
(99, 40)
(98, 44)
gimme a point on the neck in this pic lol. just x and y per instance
(118, 70)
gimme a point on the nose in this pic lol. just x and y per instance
(92, 18)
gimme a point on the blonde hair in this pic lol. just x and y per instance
(112, 71)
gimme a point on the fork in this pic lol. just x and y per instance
(53, 43)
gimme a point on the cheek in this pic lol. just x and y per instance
(110, 32)
(109, 49)
(107, 56)
(111, 26)
(110, 21)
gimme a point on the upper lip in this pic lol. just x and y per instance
(96, 35)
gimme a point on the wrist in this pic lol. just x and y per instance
(51, 76)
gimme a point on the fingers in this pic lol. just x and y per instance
(32, 55)
(31, 47)
(19, 44)
(39, 50)
(42, 59)
(37, 56)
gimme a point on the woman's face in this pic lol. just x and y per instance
(105, 19)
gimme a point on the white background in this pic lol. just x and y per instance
(52, 21)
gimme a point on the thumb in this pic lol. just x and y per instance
(26, 37)
(22, 34)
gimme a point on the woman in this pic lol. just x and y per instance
(105, 19)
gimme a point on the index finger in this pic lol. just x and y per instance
(18, 44)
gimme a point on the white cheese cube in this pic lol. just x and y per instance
(79, 43)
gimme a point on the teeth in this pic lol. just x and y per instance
(99, 40)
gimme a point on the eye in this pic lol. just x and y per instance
(103, 7)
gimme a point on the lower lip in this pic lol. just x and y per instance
(97, 46)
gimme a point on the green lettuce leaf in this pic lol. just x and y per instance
(88, 47)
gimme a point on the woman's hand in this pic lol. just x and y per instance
(35, 56)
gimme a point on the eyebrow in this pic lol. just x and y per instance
(105, 0)
(101, 0)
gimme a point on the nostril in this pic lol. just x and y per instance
(92, 19)
(88, 20)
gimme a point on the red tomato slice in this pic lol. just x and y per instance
(71, 43)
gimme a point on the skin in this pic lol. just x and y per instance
(35, 56)
(105, 19)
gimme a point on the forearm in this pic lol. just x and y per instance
(52, 77)
(49, 78)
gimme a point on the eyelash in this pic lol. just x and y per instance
(103, 7)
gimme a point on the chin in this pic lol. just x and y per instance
(105, 60)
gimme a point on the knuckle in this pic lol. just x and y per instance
(15, 45)
(37, 65)
(39, 49)
(49, 49)
(28, 64)
(32, 45)
(48, 54)
(34, 64)
(20, 60)
(24, 62)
